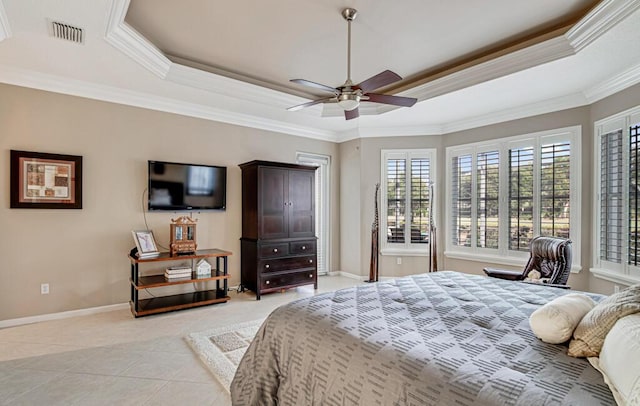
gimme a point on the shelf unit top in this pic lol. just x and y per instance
(166, 256)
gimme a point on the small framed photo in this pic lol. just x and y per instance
(45, 181)
(145, 243)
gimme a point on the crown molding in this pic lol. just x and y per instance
(127, 40)
(58, 84)
(547, 51)
(599, 21)
(5, 28)
(379, 132)
(613, 85)
(211, 82)
(519, 112)
(530, 110)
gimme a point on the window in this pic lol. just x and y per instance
(322, 215)
(504, 192)
(406, 193)
(617, 228)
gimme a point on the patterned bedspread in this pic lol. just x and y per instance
(444, 338)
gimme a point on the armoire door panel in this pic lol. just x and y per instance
(274, 206)
(302, 208)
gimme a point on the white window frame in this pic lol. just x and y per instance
(503, 255)
(407, 248)
(323, 206)
(622, 273)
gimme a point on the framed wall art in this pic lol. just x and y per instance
(45, 181)
(145, 243)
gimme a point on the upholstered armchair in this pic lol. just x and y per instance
(551, 256)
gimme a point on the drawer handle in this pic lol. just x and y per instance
(266, 283)
(275, 250)
(310, 275)
(267, 266)
(311, 261)
(304, 248)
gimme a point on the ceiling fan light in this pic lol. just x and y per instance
(348, 102)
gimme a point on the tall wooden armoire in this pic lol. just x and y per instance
(278, 241)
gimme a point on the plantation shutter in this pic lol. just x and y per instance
(419, 200)
(521, 184)
(461, 201)
(611, 197)
(634, 195)
(487, 200)
(396, 200)
(555, 189)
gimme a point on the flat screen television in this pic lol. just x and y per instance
(181, 186)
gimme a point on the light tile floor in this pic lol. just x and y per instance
(114, 359)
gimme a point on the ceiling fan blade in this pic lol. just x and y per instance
(312, 103)
(380, 80)
(393, 100)
(351, 114)
(315, 85)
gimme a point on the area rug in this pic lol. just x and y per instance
(221, 349)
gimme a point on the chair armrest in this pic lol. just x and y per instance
(503, 274)
(551, 285)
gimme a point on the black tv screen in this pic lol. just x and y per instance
(178, 186)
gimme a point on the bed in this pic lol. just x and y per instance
(444, 338)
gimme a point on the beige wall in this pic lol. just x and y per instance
(360, 171)
(82, 253)
(350, 203)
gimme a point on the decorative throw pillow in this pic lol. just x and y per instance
(592, 330)
(619, 360)
(555, 321)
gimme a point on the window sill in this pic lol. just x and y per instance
(500, 260)
(615, 277)
(404, 252)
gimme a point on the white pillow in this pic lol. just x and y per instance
(620, 360)
(555, 321)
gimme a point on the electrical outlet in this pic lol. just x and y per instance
(616, 288)
(399, 260)
(44, 289)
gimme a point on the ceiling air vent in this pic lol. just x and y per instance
(67, 32)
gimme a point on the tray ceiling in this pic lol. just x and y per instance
(232, 61)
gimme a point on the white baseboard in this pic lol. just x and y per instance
(354, 276)
(346, 275)
(62, 315)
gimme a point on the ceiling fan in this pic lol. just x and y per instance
(348, 96)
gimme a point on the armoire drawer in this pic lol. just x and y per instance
(302, 247)
(281, 280)
(285, 264)
(273, 250)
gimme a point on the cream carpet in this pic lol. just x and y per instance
(221, 349)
